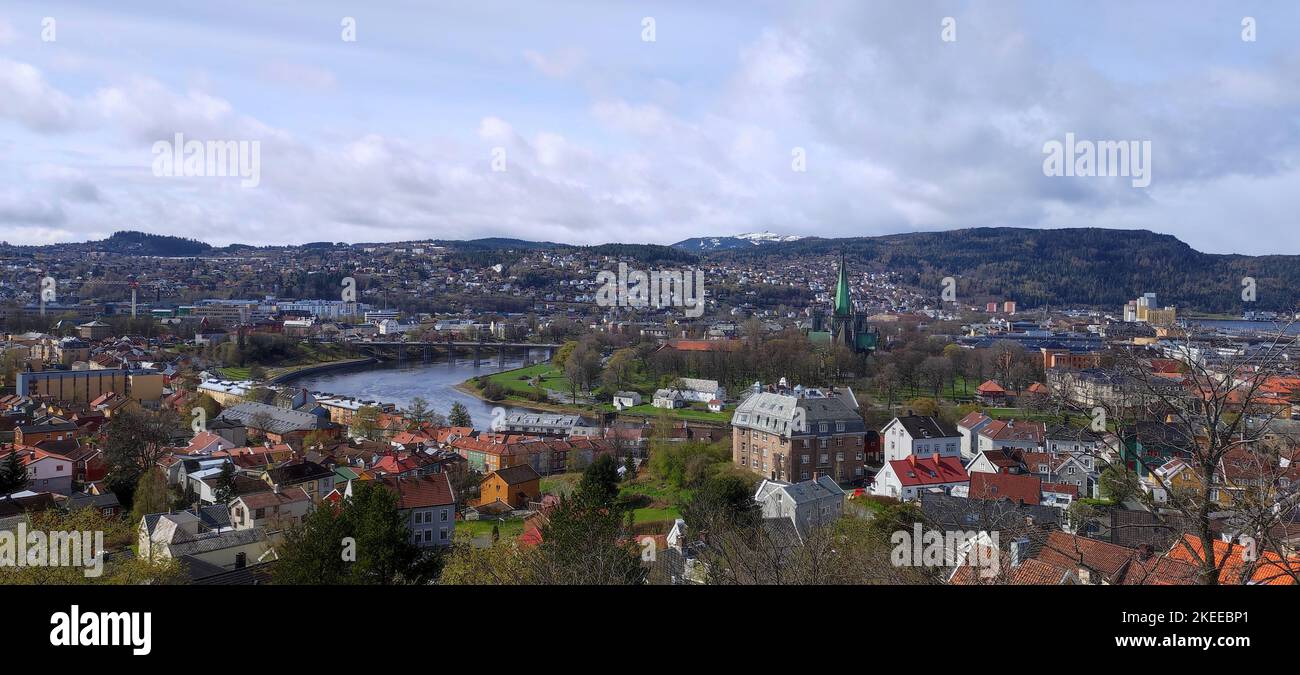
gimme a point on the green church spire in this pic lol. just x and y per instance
(843, 301)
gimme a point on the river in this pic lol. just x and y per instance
(1239, 326)
(435, 382)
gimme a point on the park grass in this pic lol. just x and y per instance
(518, 381)
(653, 515)
(517, 384)
(689, 414)
(509, 529)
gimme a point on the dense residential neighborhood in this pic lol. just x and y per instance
(198, 427)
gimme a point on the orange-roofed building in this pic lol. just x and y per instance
(1240, 564)
(990, 392)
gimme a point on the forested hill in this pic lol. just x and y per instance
(1084, 266)
(141, 243)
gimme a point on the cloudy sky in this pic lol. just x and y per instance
(605, 135)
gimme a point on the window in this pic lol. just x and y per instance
(804, 459)
(839, 427)
(444, 515)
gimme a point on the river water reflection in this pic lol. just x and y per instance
(435, 382)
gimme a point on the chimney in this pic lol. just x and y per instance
(911, 459)
(275, 488)
(1145, 551)
(935, 456)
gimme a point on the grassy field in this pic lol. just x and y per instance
(691, 414)
(519, 381)
(954, 390)
(509, 529)
(518, 384)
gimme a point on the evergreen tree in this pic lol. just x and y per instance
(13, 475)
(459, 416)
(600, 480)
(225, 491)
(363, 541)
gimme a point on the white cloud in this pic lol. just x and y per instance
(559, 64)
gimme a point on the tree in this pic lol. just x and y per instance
(363, 541)
(581, 368)
(620, 369)
(925, 407)
(459, 416)
(600, 480)
(117, 570)
(365, 422)
(225, 490)
(501, 564)
(1223, 420)
(562, 354)
(135, 439)
(418, 413)
(151, 495)
(1118, 484)
(587, 542)
(13, 474)
(209, 405)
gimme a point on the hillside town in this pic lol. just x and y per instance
(809, 404)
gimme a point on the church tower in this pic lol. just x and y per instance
(842, 319)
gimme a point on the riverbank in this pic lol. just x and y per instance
(516, 381)
(295, 372)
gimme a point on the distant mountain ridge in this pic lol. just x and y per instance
(1092, 267)
(1077, 267)
(739, 241)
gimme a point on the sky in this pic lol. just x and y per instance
(647, 122)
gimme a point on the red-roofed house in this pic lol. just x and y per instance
(1238, 564)
(428, 504)
(907, 478)
(1019, 488)
(990, 392)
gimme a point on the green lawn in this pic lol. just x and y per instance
(519, 381)
(518, 384)
(509, 529)
(692, 414)
(653, 515)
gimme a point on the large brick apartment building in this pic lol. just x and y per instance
(799, 434)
